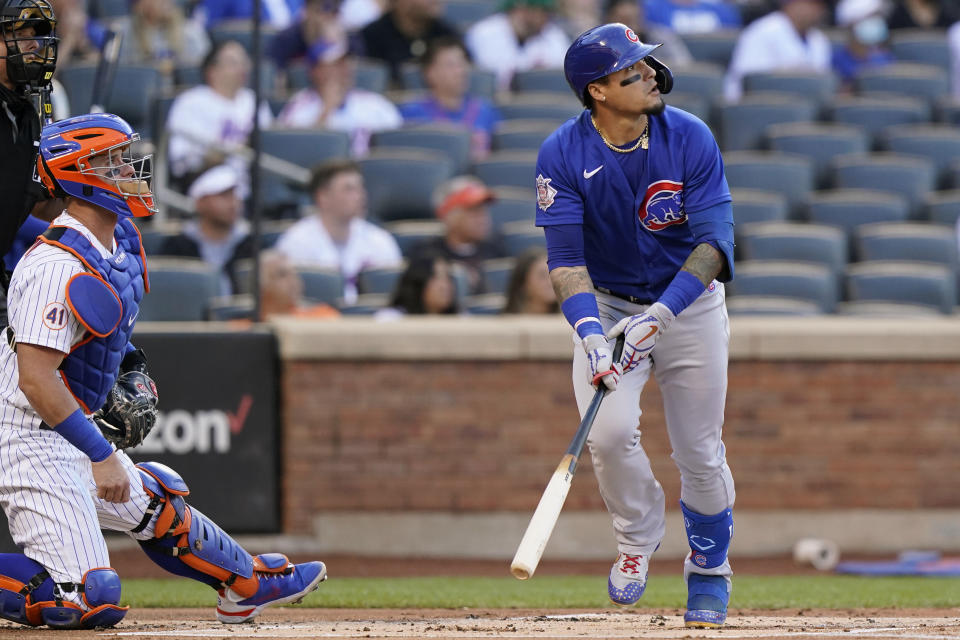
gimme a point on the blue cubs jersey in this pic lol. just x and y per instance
(634, 207)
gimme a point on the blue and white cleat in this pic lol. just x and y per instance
(707, 598)
(289, 585)
(628, 579)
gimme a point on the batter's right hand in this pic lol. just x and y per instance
(600, 360)
(113, 484)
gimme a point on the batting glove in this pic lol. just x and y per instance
(600, 358)
(640, 334)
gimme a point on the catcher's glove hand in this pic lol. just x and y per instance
(130, 411)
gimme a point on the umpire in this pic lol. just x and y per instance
(28, 28)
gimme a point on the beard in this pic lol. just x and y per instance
(656, 109)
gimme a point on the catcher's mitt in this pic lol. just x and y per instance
(130, 411)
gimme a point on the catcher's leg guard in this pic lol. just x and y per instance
(28, 595)
(706, 569)
(187, 543)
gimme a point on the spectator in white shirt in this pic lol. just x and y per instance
(208, 123)
(784, 40)
(522, 36)
(336, 235)
(333, 102)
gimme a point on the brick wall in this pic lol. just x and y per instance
(485, 436)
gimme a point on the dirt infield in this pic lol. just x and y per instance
(385, 623)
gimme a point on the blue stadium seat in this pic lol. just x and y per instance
(400, 183)
(129, 96)
(788, 174)
(954, 175)
(874, 114)
(226, 308)
(819, 141)
(520, 236)
(850, 208)
(909, 242)
(542, 81)
(795, 241)
(371, 74)
(306, 147)
(410, 233)
(757, 205)
(786, 279)
(925, 81)
(486, 304)
(925, 46)
(539, 106)
(154, 233)
(884, 309)
(180, 289)
(712, 46)
(808, 85)
(107, 10)
(451, 141)
(513, 204)
(704, 79)
(496, 273)
(508, 169)
(692, 103)
(948, 110)
(908, 176)
(750, 305)
(463, 13)
(483, 83)
(522, 135)
(942, 207)
(321, 284)
(380, 280)
(742, 124)
(940, 143)
(905, 282)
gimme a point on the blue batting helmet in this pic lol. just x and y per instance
(603, 50)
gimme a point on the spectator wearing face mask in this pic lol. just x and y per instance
(867, 38)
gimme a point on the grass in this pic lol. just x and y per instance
(577, 592)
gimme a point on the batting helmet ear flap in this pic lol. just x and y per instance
(47, 180)
(664, 75)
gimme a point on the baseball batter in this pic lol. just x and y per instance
(73, 301)
(639, 228)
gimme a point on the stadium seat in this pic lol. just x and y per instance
(449, 140)
(742, 124)
(704, 79)
(155, 232)
(496, 273)
(809, 85)
(542, 81)
(508, 169)
(321, 284)
(226, 308)
(749, 305)
(785, 279)
(485, 304)
(410, 233)
(874, 114)
(180, 289)
(380, 280)
(788, 174)
(371, 74)
(463, 13)
(539, 106)
(954, 175)
(799, 242)
(187, 76)
(849, 208)
(365, 304)
(948, 110)
(400, 183)
(883, 309)
(940, 143)
(129, 96)
(522, 135)
(757, 205)
(271, 230)
(483, 83)
(942, 207)
(520, 236)
(904, 282)
(692, 103)
(924, 46)
(305, 147)
(712, 46)
(513, 204)
(908, 176)
(107, 10)
(924, 81)
(819, 141)
(909, 242)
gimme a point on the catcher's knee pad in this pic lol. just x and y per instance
(187, 543)
(709, 536)
(28, 595)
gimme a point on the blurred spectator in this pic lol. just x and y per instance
(81, 37)
(158, 33)
(953, 37)
(867, 39)
(693, 16)
(238, 14)
(520, 37)
(446, 72)
(784, 40)
(319, 22)
(461, 203)
(281, 290)
(219, 236)
(333, 102)
(425, 287)
(576, 16)
(402, 32)
(336, 235)
(529, 289)
(632, 14)
(356, 14)
(206, 122)
(923, 14)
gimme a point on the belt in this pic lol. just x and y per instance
(623, 296)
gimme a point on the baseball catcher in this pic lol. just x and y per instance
(130, 410)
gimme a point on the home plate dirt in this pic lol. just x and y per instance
(509, 623)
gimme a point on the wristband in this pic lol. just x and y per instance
(582, 313)
(681, 292)
(82, 434)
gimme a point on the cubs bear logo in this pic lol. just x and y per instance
(662, 205)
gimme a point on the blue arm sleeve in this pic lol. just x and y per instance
(564, 245)
(714, 226)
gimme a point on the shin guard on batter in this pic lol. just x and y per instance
(706, 569)
(29, 595)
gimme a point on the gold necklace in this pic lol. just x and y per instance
(643, 141)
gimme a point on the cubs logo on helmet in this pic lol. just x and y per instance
(662, 205)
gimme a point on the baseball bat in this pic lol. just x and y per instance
(551, 502)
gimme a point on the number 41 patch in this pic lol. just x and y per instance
(55, 316)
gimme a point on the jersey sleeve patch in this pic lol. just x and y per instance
(55, 316)
(545, 193)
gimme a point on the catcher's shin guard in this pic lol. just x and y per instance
(187, 543)
(29, 596)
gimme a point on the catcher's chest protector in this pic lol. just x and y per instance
(107, 308)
